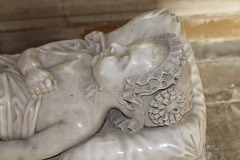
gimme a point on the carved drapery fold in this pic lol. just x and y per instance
(18, 110)
(93, 44)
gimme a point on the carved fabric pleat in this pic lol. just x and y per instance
(93, 44)
(18, 110)
(159, 78)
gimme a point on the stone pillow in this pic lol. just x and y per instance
(182, 141)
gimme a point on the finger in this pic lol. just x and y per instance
(37, 91)
(48, 85)
(31, 90)
(43, 88)
(54, 82)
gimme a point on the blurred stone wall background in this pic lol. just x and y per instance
(212, 26)
(27, 23)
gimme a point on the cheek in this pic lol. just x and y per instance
(108, 67)
(107, 70)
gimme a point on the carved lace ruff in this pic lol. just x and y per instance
(159, 78)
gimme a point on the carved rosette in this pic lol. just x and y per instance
(168, 107)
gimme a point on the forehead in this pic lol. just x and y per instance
(149, 48)
(142, 53)
(142, 45)
(155, 45)
(146, 55)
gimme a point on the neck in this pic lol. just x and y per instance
(111, 101)
(106, 99)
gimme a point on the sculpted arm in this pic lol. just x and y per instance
(44, 58)
(44, 144)
(33, 64)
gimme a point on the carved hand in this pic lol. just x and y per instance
(40, 82)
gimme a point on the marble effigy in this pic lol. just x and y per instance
(133, 93)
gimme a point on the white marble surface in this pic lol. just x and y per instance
(70, 86)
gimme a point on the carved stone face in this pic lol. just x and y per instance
(117, 63)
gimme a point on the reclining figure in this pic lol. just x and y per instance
(59, 95)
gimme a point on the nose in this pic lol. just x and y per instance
(117, 49)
